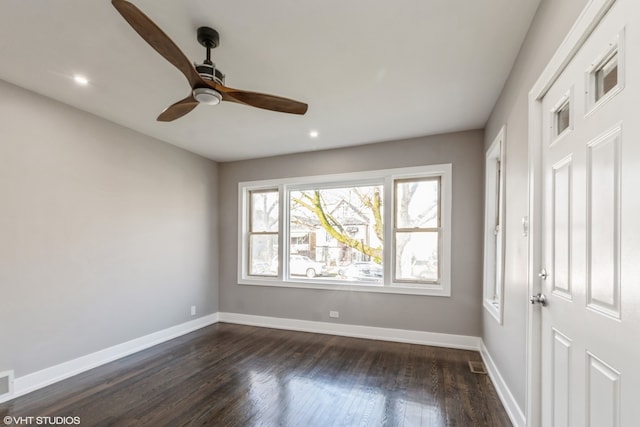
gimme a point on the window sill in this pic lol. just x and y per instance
(433, 290)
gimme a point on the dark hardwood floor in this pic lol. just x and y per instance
(233, 375)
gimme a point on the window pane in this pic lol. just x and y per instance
(607, 77)
(263, 254)
(417, 203)
(498, 193)
(563, 117)
(264, 211)
(337, 230)
(417, 256)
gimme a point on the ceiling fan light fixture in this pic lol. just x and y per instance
(205, 95)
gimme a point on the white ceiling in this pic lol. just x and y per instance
(370, 70)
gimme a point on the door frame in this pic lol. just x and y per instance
(586, 23)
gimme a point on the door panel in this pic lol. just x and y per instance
(591, 234)
(561, 384)
(561, 228)
(603, 393)
(603, 233)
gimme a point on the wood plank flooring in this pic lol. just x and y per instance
(233, 375)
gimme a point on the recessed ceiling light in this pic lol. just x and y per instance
(314, 134)
(81, 80)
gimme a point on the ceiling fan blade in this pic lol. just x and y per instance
(179, 109)
(260, 100)
(158, 40)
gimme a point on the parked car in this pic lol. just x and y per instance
(300, 265)
(361, 272)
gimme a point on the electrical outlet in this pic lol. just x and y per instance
(193, 310)
(335, 314)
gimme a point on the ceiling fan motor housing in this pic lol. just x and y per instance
(210, 72)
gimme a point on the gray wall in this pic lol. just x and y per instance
(507, 343)
(105, 235)
(460, 314)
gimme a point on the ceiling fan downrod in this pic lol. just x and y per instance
(210, 39)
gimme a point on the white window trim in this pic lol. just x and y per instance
(386, 176)
(493, 283)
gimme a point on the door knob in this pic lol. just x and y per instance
(538, 299)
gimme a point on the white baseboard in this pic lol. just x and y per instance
(36, 380)
(371, 332)
(514, 411)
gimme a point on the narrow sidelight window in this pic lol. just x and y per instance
(493, 229)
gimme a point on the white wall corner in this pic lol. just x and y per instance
(516, 414)
(36, 380)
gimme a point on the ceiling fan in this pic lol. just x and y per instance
(206, 81)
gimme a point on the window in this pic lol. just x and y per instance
(341, 231)
(417, 230)
(342, 228)
(493, 230)
(263, 233)
(563, 117)
(605, 76)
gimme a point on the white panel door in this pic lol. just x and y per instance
(590, 324)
